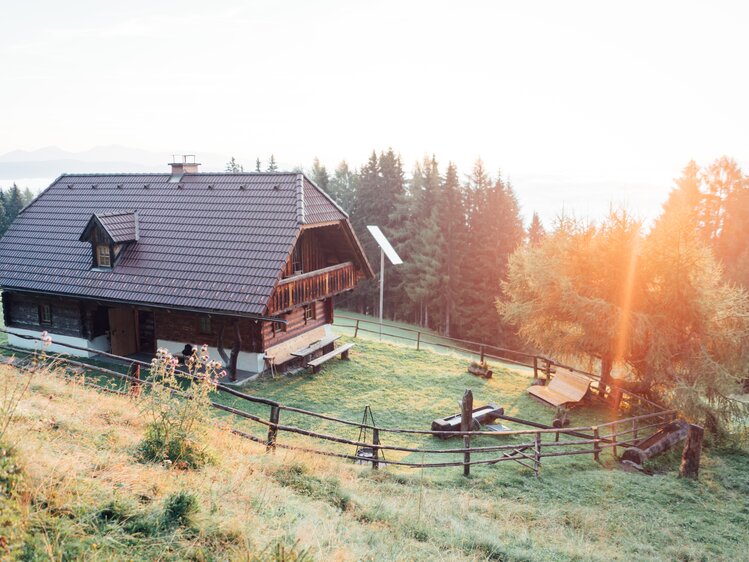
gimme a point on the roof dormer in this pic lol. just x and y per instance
(109, 234)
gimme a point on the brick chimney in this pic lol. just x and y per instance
(187, 165)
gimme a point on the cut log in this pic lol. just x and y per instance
(482, 415)
(480, 371)
(656, 444)
(690, 458)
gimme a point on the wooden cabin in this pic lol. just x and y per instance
(129, 263)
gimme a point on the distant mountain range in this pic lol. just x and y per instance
(41, 166)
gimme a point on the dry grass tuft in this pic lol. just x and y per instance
(88, 497)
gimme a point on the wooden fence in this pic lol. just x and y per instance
(535, 445)
(543, 367)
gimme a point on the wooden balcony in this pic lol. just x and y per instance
(315, 285)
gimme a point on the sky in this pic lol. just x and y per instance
(582, 105)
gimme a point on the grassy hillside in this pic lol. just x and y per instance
(82, 494)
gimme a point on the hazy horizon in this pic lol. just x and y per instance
(581, 105)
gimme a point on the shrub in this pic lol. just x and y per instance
(178, 411)
(179, 509)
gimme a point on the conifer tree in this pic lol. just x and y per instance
(536, 231)
(320, 175)
(342, 186)
(272, 166)
(451, 218)
(257, 165)
(232, 166)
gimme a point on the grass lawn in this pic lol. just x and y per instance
(84, 496)
(405, 388)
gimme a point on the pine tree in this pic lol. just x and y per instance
(495, 231)
(342, 186)
(27, 196)
(272, 166)
(232, 166)
(320, 175)
(451, 218)
(536, 231)
(721, 178)
(257, 165)
(13, 203)
(419, 234)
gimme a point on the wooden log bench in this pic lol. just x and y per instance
(341, 350)
(565, 388)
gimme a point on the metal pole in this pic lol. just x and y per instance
(382, 284)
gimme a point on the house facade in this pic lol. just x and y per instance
(129, 263)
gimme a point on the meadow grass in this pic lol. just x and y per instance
(86, 497)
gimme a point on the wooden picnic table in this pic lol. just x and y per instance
(315, 346)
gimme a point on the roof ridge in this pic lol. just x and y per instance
(300, 198)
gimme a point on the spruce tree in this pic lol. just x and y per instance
(232, 166)
(342, 186)
(320, 175)
(257, 165)
(272, 166)
(451, 218)
(536, 231)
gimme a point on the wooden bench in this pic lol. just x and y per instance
(315, 346)
(341, 350)
(564, 388)
(280, 353)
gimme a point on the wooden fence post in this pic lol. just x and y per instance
(613, 439)
(634, 431)
(356, 330)
(482, 354)
(548, 371)
(418, 340)
(375, 450)
(596, 445)
(537, 453)
(690, 458)
(466, 423)
(135, 385)
(275, 414)
(535, 367)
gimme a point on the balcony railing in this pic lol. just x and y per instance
(308, 287)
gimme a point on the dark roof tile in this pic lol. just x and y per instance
(219, 249)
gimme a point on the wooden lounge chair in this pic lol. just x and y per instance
(566, 387)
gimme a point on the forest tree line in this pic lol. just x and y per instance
(12, 200)
(454, 232)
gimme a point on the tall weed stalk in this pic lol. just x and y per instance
(177, 409)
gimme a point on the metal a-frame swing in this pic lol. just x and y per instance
(369, 454)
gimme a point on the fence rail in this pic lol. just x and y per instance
(543, 367)
(529, 452)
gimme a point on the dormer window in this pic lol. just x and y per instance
(109, 234)
(103, 257)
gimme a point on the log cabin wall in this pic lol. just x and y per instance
(185, 327)
(22, 310)
(296, 323)
(308, 252)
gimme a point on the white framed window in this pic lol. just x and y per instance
(103, 257)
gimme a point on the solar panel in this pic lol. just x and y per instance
(385, 245)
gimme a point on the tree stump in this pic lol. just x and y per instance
(690, 458)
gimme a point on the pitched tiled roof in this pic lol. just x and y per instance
(210, 241)
(122, 227)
